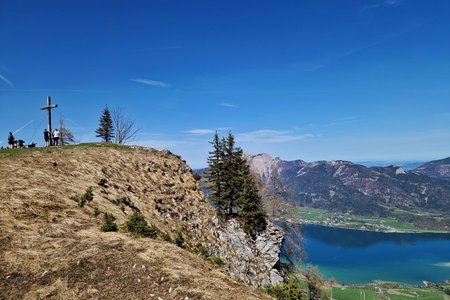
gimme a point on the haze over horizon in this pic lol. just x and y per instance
(354, 80)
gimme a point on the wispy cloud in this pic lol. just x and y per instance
(226, 104)
(382, 40)
(151, 82)
(6, 80)
(380, 4)
(272, 136)
(346, 121)
(224, 128)
(206, 131)
(392, 2)
(42, 90)
(200, 131)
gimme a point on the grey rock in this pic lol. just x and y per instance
(251, 261)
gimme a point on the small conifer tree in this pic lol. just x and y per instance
(105, 129)
(109, 224)
(138, 226)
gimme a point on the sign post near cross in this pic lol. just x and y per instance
(49, 108)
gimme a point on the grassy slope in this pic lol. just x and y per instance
(52, 248)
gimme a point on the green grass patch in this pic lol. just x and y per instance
(5, 153)
(166, 237)
(88, 196)
(217, 261)
(373, 293)
(202, 250)
(19, 151)
(290, 289)
(422, 294)
(354, 294)
(179, 240)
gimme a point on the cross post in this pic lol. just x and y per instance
(49, 108)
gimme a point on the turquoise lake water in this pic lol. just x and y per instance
(355, 257)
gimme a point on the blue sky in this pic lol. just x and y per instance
(313, 80)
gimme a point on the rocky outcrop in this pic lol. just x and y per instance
(253, 261)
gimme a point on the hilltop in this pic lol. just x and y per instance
(51, 247)
(436, 169)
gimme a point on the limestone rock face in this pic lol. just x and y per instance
(252, 261)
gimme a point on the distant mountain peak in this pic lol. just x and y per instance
(436, 169)
(262, 164)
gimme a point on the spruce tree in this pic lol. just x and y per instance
(233, 189)
(105, 129)
(251, 214)
(215, 174)
(231, 180)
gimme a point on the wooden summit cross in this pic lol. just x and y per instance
(49, 108)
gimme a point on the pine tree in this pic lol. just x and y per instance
(106, 129)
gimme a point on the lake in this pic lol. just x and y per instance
(356, 257)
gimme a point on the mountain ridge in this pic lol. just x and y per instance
(345, 187)
(439, 169)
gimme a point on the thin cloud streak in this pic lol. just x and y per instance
(384, 39)
(42, 90)
(226, 104)
(200, 131)
(272, 136)
(385, 3)
(6, 80)
(151, 82)
(351, 52)
(224, 128)
(206, 131)
(343, 122)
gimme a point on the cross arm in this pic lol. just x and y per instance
(49, 106)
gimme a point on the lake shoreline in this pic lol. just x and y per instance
(342, 226)
(358, 257)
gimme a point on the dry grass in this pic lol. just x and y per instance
(53, 249)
